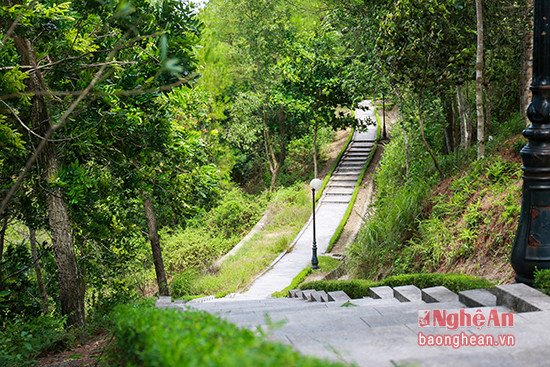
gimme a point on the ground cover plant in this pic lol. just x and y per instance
(147, 336)
(463, 223)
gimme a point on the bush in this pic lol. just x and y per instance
(21, 341)
(542, 280)
(373, 252)
(146, 336)
(211, 234)
(358, 288)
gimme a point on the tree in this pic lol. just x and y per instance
(479, 82)
(89, 54)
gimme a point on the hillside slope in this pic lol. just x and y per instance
(465, 223)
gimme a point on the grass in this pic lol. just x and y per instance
(290, 209)
(326, 265)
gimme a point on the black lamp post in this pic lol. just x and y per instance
(315, 184)
(532, 244)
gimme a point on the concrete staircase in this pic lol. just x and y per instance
(342, 183)
(383, 329)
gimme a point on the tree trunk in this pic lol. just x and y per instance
(527, 60)
(407, 164)
(449, 145)
(271, 158)
(464, 130)
(479, 83)
(2, 237)
(155, 245)
(488, 109)
(421, 122)
(70, 287)
(38, 270)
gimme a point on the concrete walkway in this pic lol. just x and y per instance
(507, 326)
(329, 212)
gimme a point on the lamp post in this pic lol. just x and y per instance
(532, 244)
(315, 184)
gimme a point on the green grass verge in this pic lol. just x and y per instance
(326, 265)
(147, 336)
(294, 284)
(334, 165)
(358, 288)
(290, 208)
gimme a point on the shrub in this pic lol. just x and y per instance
(21, 341)
(372, 254)
(358, 288)
(146, 336)
(542, 280)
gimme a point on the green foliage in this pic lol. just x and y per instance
(358, 288)
(21, 340)
(542, 280)
(288, 211)
(18, 289)
(378, 241)
(299, 158)
(146, 336)
(211, 234)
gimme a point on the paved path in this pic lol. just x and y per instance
(387, 328)
(329, 213)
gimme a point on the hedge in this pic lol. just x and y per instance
(358, 288)
(147, 336)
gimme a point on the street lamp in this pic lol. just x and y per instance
(315, 184)
(532, 244)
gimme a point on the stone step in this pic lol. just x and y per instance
(477, 298)
(341, 199)
(340, 190)
(347, 173)
(202, 299)
(355, 160)
(343, 178)
(246, 304)
(354, 168)
(377, 302)
(360, 147)
(407, 293)
(342, 184)
(521, 298)
(357, 165)
(360, 151)
(260, 310)
(438, 294)
(333, 195)
(381, 292)
(339, 296)
(374, 312)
